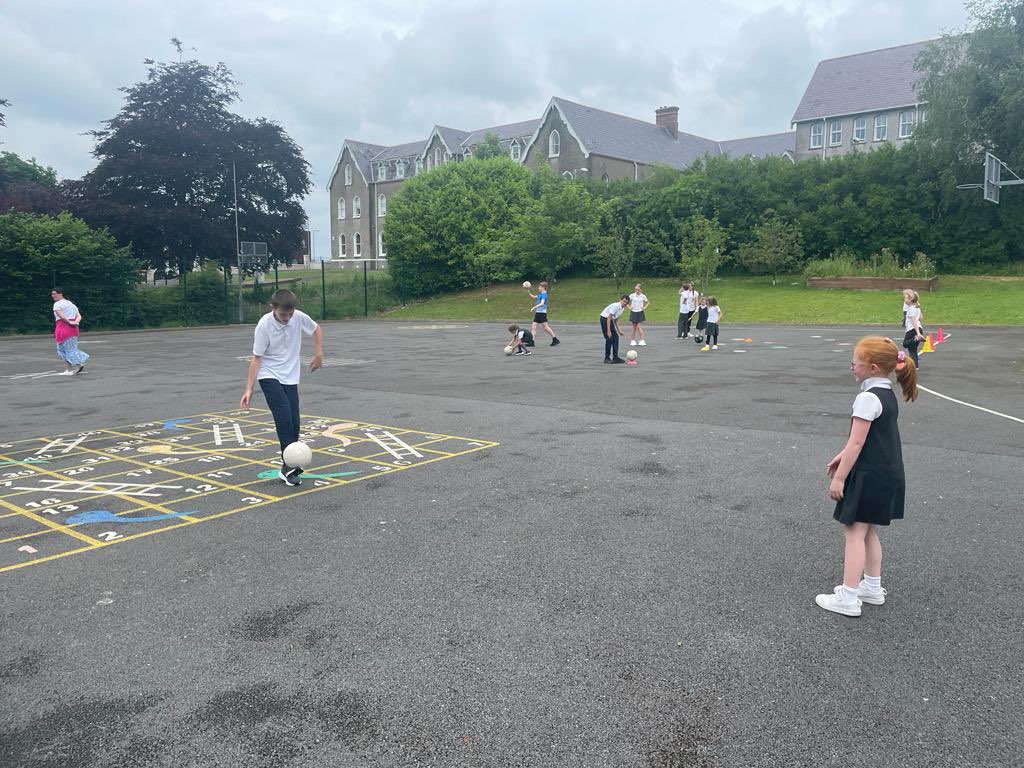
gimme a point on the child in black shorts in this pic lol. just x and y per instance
(521, 339)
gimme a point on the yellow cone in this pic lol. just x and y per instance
(928, 344)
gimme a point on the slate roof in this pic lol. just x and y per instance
(612, 135)
(760, 146)
(453, 137)
(503, 132)
(362, 152)
(862, 82)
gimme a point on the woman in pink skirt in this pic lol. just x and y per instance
(65, 332)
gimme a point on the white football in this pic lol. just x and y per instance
(298, 455)
(527, 284)
(631, 355)
(509, 350)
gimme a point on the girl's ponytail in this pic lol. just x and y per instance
(883, 352)
(906, 375)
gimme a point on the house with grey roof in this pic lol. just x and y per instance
(860, 102)
(577, 141)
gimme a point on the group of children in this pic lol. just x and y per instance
(866, 478)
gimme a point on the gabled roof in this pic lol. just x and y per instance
(361, 152)
(503, 132)
(862, 82)
(760, 146)
(412, 149)
(612, 135)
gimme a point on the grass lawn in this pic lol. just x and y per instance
(959, 300)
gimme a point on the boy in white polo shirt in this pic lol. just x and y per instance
(275, 363)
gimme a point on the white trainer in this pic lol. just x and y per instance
(869, 595)
(836, 603)
(642, 343)
(66, 373)
(632, 342)
(714, 346)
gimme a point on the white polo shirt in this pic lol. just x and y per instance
(613, 310)
(687, 301)
(278, 344)
(714, 313)
(866, 405)
(912, 312)
(636, 302)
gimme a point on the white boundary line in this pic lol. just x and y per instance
(969, 405)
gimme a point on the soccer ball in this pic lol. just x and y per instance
(631, 355)
(298, 455)
(698, 339)
(509, 350)
(527, 284)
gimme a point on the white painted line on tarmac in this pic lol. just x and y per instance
(970, 405)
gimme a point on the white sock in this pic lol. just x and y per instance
(873, 582)
(849, 594)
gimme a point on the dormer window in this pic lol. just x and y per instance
(348, 175)
(515, 150)
(399, 170)
(554, 144)
(382, 172)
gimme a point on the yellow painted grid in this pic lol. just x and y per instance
(337, 460)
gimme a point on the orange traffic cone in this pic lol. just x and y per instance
(928, 344)
(939, 338)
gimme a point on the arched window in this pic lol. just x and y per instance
(348, 175)
(381, 250)
(447, 157)
(419, 165)
(382, 205)
(341, 207)
(515, 150)
(437, 156)
(359, 245)
(382, 172)
(568, 175)
(604, 178)
(357, 207)
(554, 144)
(399, 170)
(341, 247)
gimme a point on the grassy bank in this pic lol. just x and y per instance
(959, 300)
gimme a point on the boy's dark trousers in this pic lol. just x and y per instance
(683, 326)
(283, 401)
(611, 338)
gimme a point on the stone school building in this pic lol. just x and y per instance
(852, 103)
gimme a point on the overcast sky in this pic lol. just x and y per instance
(387, 71)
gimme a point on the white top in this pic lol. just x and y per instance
(636, 302)
(70, 310)
(613, 310)
(866, 405)
(912, 312)
(278, 345)
(714, 313)
(687, 301)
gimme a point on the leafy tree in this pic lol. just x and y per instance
(38, 252)
(14, 170)
(612, 259)
(28, 187)
(776, 246)
(164, 177)
(489, 147)
(703, 242)
(444, 228)
(3, 117)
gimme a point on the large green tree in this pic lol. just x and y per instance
(776, 246)
(164, 177)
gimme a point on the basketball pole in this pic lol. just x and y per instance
(238, 248)
(366, 293)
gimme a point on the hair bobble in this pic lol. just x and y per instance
(901, 356)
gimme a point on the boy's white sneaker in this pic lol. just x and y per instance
(642, 343)
(836, 603)
(66, 373)
(869, 595)
(714, 346)
(632, 342)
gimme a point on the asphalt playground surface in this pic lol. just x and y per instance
(626, 579)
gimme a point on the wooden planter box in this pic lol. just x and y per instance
(919, 284)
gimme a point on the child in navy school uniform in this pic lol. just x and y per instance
(867, 479)
(702, 319)
(521, 339)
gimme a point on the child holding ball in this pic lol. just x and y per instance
(867, 479)
(521, 339)
(540, 311)
(275, 363)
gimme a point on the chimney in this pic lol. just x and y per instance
(668, 118)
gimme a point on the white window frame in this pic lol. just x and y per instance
(835, 133)
(554, 143)
(922, 116)
(382, 205)
(817, 137)
(419, 165)
(437, 157)
(568, 175)
(515, 151)
(357, 207)
(605, 178)
(341, 208)
(341, 246)
(382, 172)
(359, 245)
(860, 129)
(399, 170)
(906, 124)
(881, 128)
(380, 244)
(348, 175)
